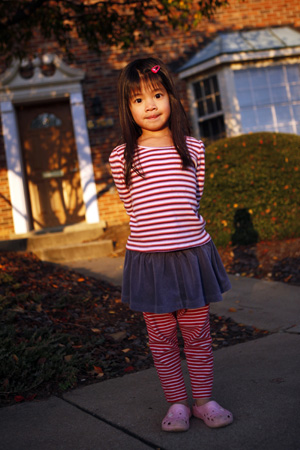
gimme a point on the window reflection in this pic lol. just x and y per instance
(45, 120)
(269, 98)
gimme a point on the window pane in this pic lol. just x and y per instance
(296, 110)
(212, 129)
(219, 125)
(276, 75)
(293, 74)
(218, 103)
(45, 120)
(197, 90)
(295, 92)
(264, 116)
(245, 98)
(205, 129)
(248, 118)
(261, 96)
(279, 94)
(207, 88)
(258, 78)
(210, 106)
(241, 79)
(201, 111)
(283, 113)
(216, 127)
(215, 83)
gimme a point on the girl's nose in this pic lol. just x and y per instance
(150, 106)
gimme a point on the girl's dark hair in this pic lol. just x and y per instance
(129, 82)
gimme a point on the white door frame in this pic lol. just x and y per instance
(14, 90)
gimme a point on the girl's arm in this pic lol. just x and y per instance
(201, 168)
(118, 171)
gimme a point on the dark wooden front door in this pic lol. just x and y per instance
(51, 164)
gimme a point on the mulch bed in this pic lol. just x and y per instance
(270, 260)
(50, 315)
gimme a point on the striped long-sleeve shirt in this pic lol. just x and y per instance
(163, 203)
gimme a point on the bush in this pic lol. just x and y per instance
(254, 176)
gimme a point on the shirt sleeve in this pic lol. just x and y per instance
(201, 168)
(117, 165)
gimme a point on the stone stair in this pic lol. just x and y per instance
(70, 243)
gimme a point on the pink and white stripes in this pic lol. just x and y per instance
(195, 330)
(163, 205)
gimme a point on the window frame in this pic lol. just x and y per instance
(230, 105)
(196, 119)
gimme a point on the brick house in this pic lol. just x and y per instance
(237, 73)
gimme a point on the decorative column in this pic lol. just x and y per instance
(84, 158)
(14, 168)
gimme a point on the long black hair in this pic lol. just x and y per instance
(129, 82)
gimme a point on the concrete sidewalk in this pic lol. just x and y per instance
(258, 381)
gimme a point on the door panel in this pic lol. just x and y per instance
(51, 164)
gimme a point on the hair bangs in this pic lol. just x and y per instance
(141, 81)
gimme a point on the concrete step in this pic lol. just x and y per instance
(76, 252)
(69, 243)
(70, 237)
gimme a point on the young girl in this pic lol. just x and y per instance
(172, 270)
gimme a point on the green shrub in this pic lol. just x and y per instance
(255, 173)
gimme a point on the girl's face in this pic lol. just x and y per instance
(150, 108)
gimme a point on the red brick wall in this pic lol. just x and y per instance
(174, 48)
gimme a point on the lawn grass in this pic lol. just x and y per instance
(252, 188)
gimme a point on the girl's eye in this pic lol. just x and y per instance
(158, 95)
(138, 100)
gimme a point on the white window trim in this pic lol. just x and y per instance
(14, 90)
(242, 58)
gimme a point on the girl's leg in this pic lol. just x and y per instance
(162, 331)
(195, 328)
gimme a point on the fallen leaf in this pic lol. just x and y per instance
(18, 309)
(98, 369)
(96, 330)
(118, 336)
(30, 398)
(132, 337)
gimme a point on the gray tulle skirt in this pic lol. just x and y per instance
(164, 282)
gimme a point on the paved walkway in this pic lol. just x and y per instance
(258, 381)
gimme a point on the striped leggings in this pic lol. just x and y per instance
(195, 329)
